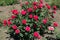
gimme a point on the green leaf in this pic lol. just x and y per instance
(21, 34)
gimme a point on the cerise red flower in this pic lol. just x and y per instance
(34, 3)
(30, 16)
(35, 17)
(55, 24)
(13, 16)
(27, 28)
(17, 31)
(36, 34)
(44, 21)
(14, 27)
(26, 2)
(48, 6)
(29, 10)
(54, 7)
(34, 7)
(9, 23)
(23, 12)
(40, 5)
(15, 11)
(4, 22)
(24, 21)
(41, 1)
(54, 11)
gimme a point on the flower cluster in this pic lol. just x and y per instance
(32, 20)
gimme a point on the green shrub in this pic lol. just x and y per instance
(8, 2)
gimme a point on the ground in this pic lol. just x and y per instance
(5, 13)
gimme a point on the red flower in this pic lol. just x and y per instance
(23, 12)
(27, 28)
(50, 28)
(26, 2)
(48, 6)
(13, 16)
(40, 5)
(14, 27)
(39, 37)
(35, 17)
(29, 10)
(30, 16)
(35, 7)
(4, 22)
(35, 3)
(44, 21)
(15, 11)
(54, 11)
(9, 19)
(41, 1)
(36, 34)
(17, 31)
(23, 21)
(54, 7)
(55, 24)
(9, 23)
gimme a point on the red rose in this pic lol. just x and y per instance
(9, 23)
(39, 37)
(35, 7)
(40, 5)
(15, 11)
(14, 27)
(50, 28)
(9, 19)
(48, 6)
(27, 28)
(54, 7)
(55, 24)
(4, 22)
(34, 3)
(13, 16)
(26, 2)
(30, 16)
(44, 21)
(17, 31)
(29, 10)
(23, 12)
(54, 11)
(35, 17)
(36, 34)
(23, 21)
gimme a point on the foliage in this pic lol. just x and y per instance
(8, 2)
(31, 22)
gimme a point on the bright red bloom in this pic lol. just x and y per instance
(35, 7)
(17, 31)
(44, 21)
(35, 17)
(54, 11)
(15, 11)
(40, 5)
(14, 27)
(9, 23)
(4, 22)
(30, 16)
(13, 16)
(24, 21)
(48, 6)
(23, 12)
(34, 3)
(26, 2)
(54, 7)
(55, 24)
(27, 28)
(36, 34)
(29, 10)
(50, 28)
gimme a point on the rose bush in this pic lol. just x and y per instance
(32, 21)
